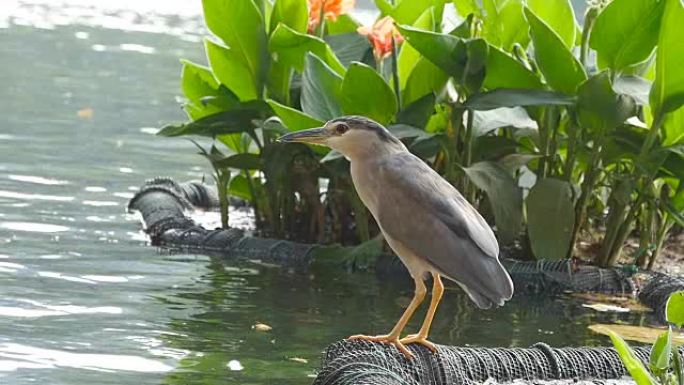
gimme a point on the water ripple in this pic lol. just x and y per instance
(33, 227)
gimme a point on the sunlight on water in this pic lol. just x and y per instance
(33, 227)
(17, 195)
(37, 179)
(48, 358)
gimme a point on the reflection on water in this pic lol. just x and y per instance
(85, 301)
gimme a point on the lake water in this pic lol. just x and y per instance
(85, 300)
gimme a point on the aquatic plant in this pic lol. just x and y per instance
(551, 129)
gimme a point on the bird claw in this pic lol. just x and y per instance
(418, 339)
(385, 339)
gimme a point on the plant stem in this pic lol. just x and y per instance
(321, 21)
(572, 145)
(589, 19)
(395, 74)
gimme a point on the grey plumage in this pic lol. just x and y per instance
(443, 228)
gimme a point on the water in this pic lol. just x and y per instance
(86, 301)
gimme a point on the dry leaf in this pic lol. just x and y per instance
(604, 307)
(260, 327)
(300, 360)
(85, 113)
(628, 302)
(636, 333)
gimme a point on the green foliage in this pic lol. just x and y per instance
(507, 104)
(550, 217)
(675, 309)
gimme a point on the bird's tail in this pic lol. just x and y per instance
(491, 288)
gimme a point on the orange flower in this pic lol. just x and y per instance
(331, 10)
(380, 37)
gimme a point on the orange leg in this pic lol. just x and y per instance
(393, 336)
(421, 336)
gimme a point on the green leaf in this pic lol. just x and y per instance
(407, 11)
(674, 310)
(293, 119)
(667, 93)
(467, 7)
(446, 51)
(633, 364)
(343, 24)
(503, 71)
(517, 97)
(550, 218)
(239, 187)
(349, 47)
(504, 196)
(673, 126)
(505, 24)
(486, 121)
(321, 89)
(408, 56)
(661, 351)
(230, 69)
(365, 92)
(425, 79)
(237, 120)
(402, 131)
(559, 16)
(626, 31)
(562, 71)
(600, 108)
(291, 47)
(243, 161)
(240, 25)
(198, 84)
(292, 13)
(418, 113)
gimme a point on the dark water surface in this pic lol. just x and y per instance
(85, 301)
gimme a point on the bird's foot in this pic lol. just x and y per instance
(418, 339)
(385, 339)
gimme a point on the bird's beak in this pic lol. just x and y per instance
(313, 135)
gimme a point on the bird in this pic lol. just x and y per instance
(429, 225)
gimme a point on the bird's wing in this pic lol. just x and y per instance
(430, 217)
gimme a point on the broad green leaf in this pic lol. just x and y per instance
(503, 71)
(505, 24)
(278, 82)
(291, 48)
(562, 71)
(661, 351)
(198, 84)
(384, 6)
(504, 196)
(293, 13)
(349, 47)
(293, 119)
(673, 127)
(240, 25)
(626, 31)
(419, 112)
(559, 16)
(633, 364)
(600, 108)
(408, 56)
(243, 161)
(321, 89)
(467, 7)
(505, 97)
(474, 69)
(236, 120)
(513, 162)
(230, 69)
(426, 78)
(239, 187)
(365, 92)
(674, 311)
(667, 93)
(407, 11)
(446, 51)
(343, 24)
(550, 218)
(486, 121)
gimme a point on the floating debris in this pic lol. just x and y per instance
(261, 327)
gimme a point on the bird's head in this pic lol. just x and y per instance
(350, 135)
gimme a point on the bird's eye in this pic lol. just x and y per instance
(341, 128)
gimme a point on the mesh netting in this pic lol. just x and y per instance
(360, 363)
(657, 290)
(164, 205)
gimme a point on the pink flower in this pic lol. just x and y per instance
(331, 10)
(380, 37)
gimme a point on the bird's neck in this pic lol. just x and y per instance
(372, 151)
